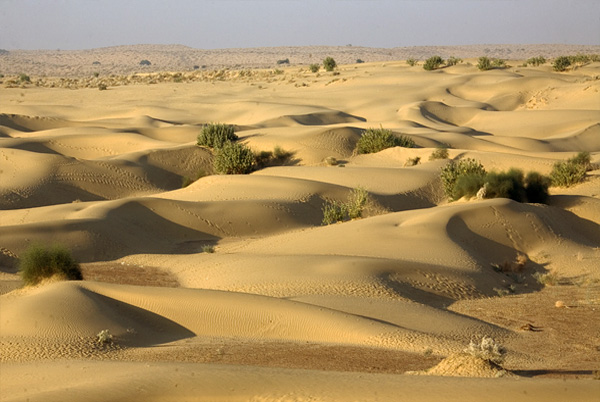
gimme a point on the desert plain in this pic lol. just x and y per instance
(232, 289)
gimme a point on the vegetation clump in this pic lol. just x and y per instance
(234, 158)
(329, 64)
(314, 68)
(452, 61)
(484, 63)
(463, 168)
(487, 349)
(561, 63)
(439, 153)
(283, 61)
(336, 211)
(572, 171)
(433, 63)
(536, 61)
(411, 62)
(377, 139)
(215, 135)
(38, 263)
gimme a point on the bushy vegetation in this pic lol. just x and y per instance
(215, 135)
(335, 211)
(39, 262)
(145, 62)
(499, 63)
(456, 169)
(329, 64)
(24, 78)
(439, 153)
(411, 62)
(536, 188)
(561, 63)
(234, 158)
(377, 139)
(572, 171)
(283, 61)
(536, 61)
(269, 158)
(314, 68)
(488, 349)
(484, 63)
(452, 61)
(433, 63)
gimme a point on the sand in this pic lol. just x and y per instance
(285, 308)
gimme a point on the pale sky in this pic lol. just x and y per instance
(209, 24)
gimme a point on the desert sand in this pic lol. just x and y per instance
(285, 308)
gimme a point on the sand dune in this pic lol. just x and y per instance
(286, 308)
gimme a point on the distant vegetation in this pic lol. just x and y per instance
(24, 78)
(411, 62)
(4, 51)
(572, 171)
(335, 211)
(329, 64)
(561, 63)
(215, 135)
(145, 62)
(452, 61)
(284, 61)
(39, 262)
(536, 61)
(433, 63)
(314, 68)
(377, 139)
(485, 63)
(440, 153)
(359, 61)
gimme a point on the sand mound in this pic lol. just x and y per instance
(465, 365)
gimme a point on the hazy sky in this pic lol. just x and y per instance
(206, 24)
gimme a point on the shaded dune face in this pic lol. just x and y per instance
(254, 272)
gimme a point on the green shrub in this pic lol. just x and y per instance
(145, 62)
(453, 170)
(234, 158)
(333, 212)
(499, 63)
(329, 64)
(284, 61)
(484, 63)
(567, 174)
(413, 161)
(468, 185)
(440, 153)
(359, 61)
(377, 139)
(267, 158)
(561, 63)
(357, 199)
(433, 63)
(314, 68)
(24, 78)
(536, 188)
(411, 62)
(584, 159)
(536, 61)
(39, 262)
(215, 135)
(505, 185)
(452, 61)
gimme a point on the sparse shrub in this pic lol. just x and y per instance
(333, 212)
(440, 153)
(469, 185)
(359, 61)
(536, 188)
(104, 337)
(488, 349)
(329, 64)
(484, 63)
(512, 267)
(267, 158)
(145, 62)
(356, 202)
(580, 59)
(234, 158)
(284, 61)
(102, 86)
(536, 61)
(561, 63)
(215, 135)
(570, 172)
(413, 161)
(547, 279)
(499, 63)
(314, 68)
(452, 61)
(505, 185)
(39, 262)
(207, 248)
(411, 62)
(453, 170)
(377, 139)
(584, 159)
(24, 78)
(433, 63)
(331, 161)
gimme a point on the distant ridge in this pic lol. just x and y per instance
(125, 59)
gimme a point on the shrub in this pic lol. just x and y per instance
(452, 61)
(411, 62)
(359, 61)
(536, 188)
(484, 63)
(104, 337)
(145, 62)
(505, 185)
(284, 61)
(584, 159)
(39, 262)
(314, 68)
(377, 139)
(333, 212)
(440, 153)
(267, 158)
(499, 63)
(329, 64)
(413, 161)
(570, 172)
(207, 248)
(561, 63)
(215, 135)
(468, 185)
(356, 202)
(488, 349)
(536, 61)
(331, 161)
(24, 78)
(433, 63)
(234, 158)
(453, 170)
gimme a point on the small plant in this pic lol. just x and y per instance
(433, 63)
(452, 61)
(583, 159)
(145, 62)
(411, 62)
(561, 63)
(331, 161)
(333, 212)
(440, 153)
(453, 170)
(329, 64)
(505, 185)
(104, 337)
(413, 161)
(487, 349)
(570, 172)
(536, 61)
(215, 135)
(208, 249)
(102, 86)
(499, 63)
(547, 279)
(359, 61)
(377, 139)
(267, 158)
(356, 202)
(314, 68)
(234, 158)
(484, 63)
(24, 78)
(38, 263)
(284, 61)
